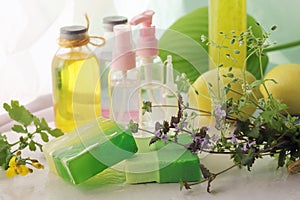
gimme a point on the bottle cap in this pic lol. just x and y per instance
(110, 21)
(73, 32)
(147, 44)
(123, 54)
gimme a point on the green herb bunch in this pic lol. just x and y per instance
(271, 131)
(29, 128)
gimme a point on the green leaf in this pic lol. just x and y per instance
(32, 146)
(55, 132)
(181, 184)
(18, 113)
(44, 136)
(248, 159)
(253, 65)
(254, 133)
(4, 150)
(44, 124)
(182, 41)
(133, 127)
(19, 129)
(281, 158)
(147, 107)
(40, 146)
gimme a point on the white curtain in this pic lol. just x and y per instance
(30, 28)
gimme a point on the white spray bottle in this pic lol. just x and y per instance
(151, 68)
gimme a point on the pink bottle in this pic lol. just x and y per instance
(124, 78)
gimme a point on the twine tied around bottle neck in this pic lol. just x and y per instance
(82, 41)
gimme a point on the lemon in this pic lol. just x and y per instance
(203, 100)
(287, 89)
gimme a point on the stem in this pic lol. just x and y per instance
(249, 99)
(141, 129)
(227, 169)
(283, 46)
(163, 105)
(13, 144)
(218, 152)
(195, 109)
(215, 175)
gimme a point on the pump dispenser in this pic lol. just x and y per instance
(151, 68)
(124, 79)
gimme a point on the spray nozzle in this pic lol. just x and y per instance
(146, 42)
(169, 60)
(145, 18)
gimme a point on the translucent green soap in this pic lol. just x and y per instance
(163, 164)
(92, 148)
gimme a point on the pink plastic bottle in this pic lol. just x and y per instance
(124, 78)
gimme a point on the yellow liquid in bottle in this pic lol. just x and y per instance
(76, 89)
(226, 16)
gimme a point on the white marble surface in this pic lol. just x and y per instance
(263, 182)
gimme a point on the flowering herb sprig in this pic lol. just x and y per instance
(11, 158)
(272, 131)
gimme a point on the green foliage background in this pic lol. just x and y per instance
(182, 41)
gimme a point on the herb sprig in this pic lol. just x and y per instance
(29, 128)
(272, 131)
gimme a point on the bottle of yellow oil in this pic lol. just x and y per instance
(76, 80)
(227, 17)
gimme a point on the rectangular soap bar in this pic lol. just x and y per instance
(166, 164)
(91, 149)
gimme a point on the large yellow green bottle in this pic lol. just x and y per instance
(226, 16)
(76, 80)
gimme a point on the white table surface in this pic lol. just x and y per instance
(263, 182)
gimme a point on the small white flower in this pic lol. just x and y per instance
(246, 88)
(203, 38)
(183, 75)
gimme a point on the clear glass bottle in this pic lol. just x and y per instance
(124, 79)
(227, 16)
(76, 80)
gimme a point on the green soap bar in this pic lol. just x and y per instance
(185, 167)
(142, 168)
(102, 144)
(76, 136)
(170, 163)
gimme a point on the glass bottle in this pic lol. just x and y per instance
(76, 80)
(227, 17)
(124, 79)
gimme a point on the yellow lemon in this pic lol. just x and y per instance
(287, 89)
(203, 100)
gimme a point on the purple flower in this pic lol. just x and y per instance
(219, 112)
(165, 138)
(244, 148)
(247, 145)
(233, 138)
(220, 115)
(157, 133)
(252, 143)
(180, 126)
